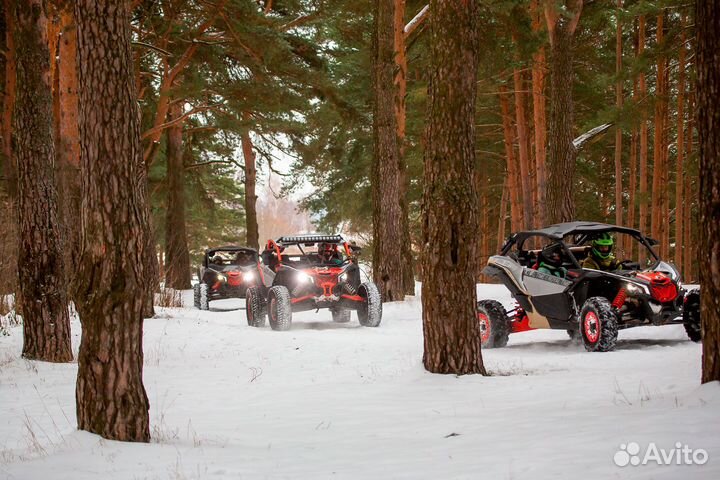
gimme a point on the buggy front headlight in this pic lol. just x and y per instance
(248, 277)
(304, 278)
(343, 277)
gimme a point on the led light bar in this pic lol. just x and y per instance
(311, 239)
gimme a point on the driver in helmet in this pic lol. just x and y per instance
(551, 261)
(601, 255)
(328, 253)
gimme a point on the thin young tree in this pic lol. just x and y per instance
(177, 256)
(386, 177)
(110, 396)
(46, 322)
(252, 236)
(449, 216)
(562, 20)
(707, 24)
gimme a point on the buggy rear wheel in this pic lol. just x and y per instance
(196, 295)
(598, 325)
(255, 307)
(494, 324)
(691, 315)
(279, 308)
(370, 311)
(204, 301)
(341, 315)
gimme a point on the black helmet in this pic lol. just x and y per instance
(552, 255)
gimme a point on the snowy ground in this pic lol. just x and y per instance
(326, 400)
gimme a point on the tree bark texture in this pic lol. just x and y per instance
(400, 82)
(523, 150)
(177, 256)
(8, 185)
(252, 236)
(561, 152)
(656, 219)
(10, 85)
(679, 173)
(67, 140)
(643, 193)
(539, 118)
(46, 322)
(707, 21)
(111, 398)
(386, 178)
(450, 217)
(618, 130)
(512, 167)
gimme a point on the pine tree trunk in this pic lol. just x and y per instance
(112, 287)
(618, 130)
(707, 23)
(177, 256)
(539, 121)
(512, 173)
(46, 323)
(387, 211)
(656, 220)
(10, 85)
(690, 197)
(67, 141)
(400, 82)
(561, 152)
(252, 236)
(8, 184)
(643, 173)
(679, 174)
(523, 152)
(449, 219)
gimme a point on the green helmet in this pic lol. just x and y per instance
(602, 246)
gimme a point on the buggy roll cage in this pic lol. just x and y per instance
(309, 240)
(229, 248)
(582, 231)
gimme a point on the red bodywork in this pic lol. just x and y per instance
(662, 287)
(520, 322)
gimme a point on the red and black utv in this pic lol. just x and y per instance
(309, 272)
(226, 272)
(592, 304)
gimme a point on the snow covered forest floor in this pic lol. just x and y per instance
(331, 400)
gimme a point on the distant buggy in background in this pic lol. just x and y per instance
(226, 272)
(589, 303)
(309, 272)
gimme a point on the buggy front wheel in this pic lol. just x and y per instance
(370, 310)
(494, 324)
(598, 325)
(279, 308)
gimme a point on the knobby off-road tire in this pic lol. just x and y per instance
(691, 315)
(255, 307)
(370, 312)
(204, 301)
(279, 308)
(341, 315)
(494, 324)
(196, 295)
(598, 325)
